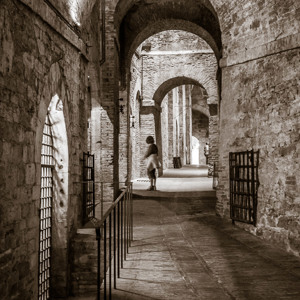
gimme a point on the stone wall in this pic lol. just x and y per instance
(263, 114)
(109, 95)
(37, 63)
(260, 110)
(135, 107)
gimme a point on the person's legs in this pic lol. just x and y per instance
(151, 175)
(154, 180)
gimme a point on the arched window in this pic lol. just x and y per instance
(46, 202)
(54, 203)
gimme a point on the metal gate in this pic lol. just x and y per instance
(243, 186)
(88, 187)
(47, 164)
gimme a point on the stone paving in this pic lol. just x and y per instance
(182, 250)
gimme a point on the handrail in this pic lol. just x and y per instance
(119, 234)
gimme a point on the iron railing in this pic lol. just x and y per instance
(114, 234)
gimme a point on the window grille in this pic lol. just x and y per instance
(47, 164)
(243, 186)
(88, 187)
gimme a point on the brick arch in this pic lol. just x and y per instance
(170, 84)
(123, 6)
(136, 20)
(170, 24)
(186, 76)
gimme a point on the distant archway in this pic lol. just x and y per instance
(170, 84)
(195, 151)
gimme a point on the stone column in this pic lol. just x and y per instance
(184, 131)
(189, 124)
(170, 128)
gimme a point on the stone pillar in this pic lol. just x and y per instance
(123, 137)
(184, 131)
(213, 137)
(175, 122)
(110, 112)
(170, 128)
(189, 124)
(164, 132)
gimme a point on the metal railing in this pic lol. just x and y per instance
(114, 234)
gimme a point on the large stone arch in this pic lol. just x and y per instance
(136, 21)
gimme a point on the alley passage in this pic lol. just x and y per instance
(182, 250)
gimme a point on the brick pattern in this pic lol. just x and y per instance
(263, 114)
(37, 64)
(135, 107)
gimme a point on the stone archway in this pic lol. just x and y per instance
(191, 83)
(135, 22)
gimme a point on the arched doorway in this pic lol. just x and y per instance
(53, 264)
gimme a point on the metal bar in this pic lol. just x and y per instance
(131, 212)
(118, 239)
(98, 237)
(253, 186)
(104, 276)
(109, 256)
(93, 177)
(101, 201)
(125, 224)
(256, 182)
(248, 183)
(122, 202)
(115, 261)
(244, 215)
(127, 221)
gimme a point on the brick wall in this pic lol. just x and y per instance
(263, 114)
(37, 63)
(259, 110)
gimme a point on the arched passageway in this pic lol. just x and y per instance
(168, 70)
(98, 57)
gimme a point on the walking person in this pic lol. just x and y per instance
(152, 162)
(206, 152)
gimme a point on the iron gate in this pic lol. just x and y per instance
(88, 187)
(47, 164)
(243, 186)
